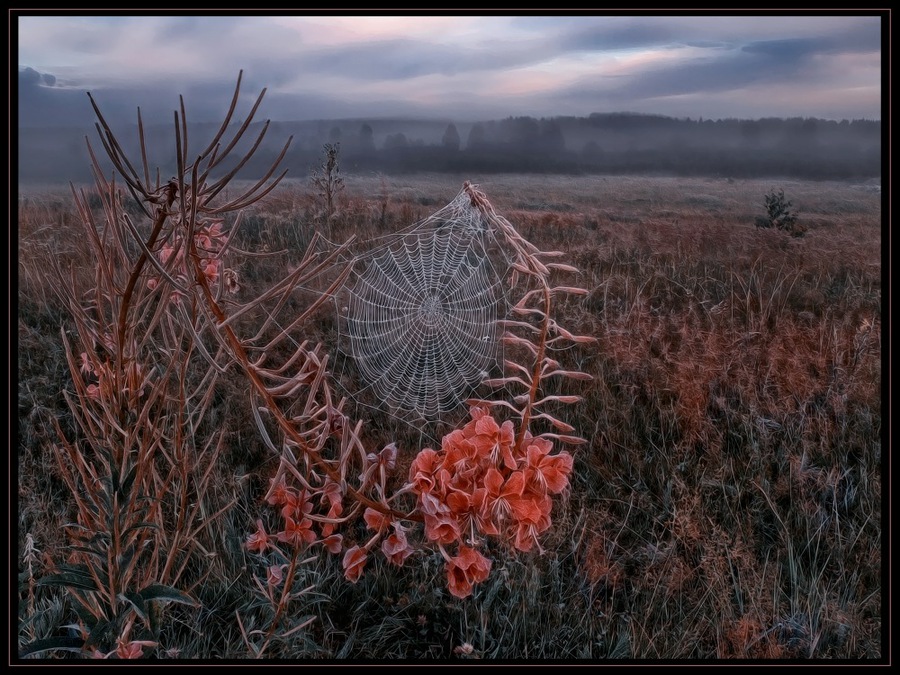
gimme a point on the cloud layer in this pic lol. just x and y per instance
(460, 67)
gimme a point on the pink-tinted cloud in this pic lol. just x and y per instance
(477, 67)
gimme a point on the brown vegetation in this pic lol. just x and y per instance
(727, 504)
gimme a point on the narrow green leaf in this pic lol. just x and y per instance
(68, 580)
(87, 549)
(129, 480)
(126, 557)
(88, 572)
(86, 617)
(69, 644)
(153, 609)
(137, 603)
(79, 569)
(99, 537)
(141, 525)
(166, 594)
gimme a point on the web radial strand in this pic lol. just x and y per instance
(422, 315)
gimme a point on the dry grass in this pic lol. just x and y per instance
(727, 505)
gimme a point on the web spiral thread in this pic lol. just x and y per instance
(421, 313)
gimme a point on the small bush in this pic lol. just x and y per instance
(327, 180)
(780, 215)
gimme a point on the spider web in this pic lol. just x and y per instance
(420, 314)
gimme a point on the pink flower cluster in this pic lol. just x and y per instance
(209, 240)
(300, 512)
(93, 368)
(395, 546)
(480, 483)
(124, 650)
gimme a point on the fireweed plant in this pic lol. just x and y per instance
(167, 320)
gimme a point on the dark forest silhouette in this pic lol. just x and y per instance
(603, 143)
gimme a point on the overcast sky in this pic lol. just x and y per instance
(464, 68)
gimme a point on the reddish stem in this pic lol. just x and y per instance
(538, 367)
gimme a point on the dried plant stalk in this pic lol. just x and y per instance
(161, 327)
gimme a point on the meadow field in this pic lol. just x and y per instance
(726, 505)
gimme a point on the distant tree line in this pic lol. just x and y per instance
(620, 143)
(613, 143)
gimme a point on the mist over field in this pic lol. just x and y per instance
(742, 96)
(616, 143)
